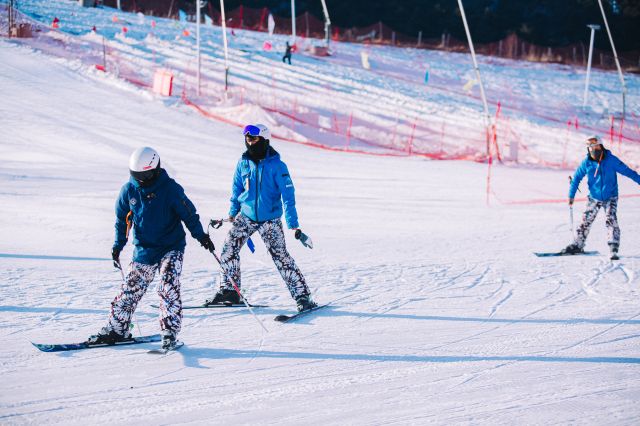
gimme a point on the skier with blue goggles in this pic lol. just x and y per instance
(262, 191)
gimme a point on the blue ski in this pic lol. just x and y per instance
(586, 253)
(84, 345)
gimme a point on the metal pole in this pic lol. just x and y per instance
(327, 23)
(293, 22)
(10, 17)
(104, 54)
(615, 55)
(198, 41)
(224, 40)
(594, 28)
(477, 70)
(119, 6)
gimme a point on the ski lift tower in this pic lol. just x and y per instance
(327, 23)
(615, 56)
(11, 17)
(593, 28)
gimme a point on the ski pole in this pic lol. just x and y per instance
(237, 289)
(124, 281)
(215, 224)
(571, 181)
(571, 219)
(571, 210)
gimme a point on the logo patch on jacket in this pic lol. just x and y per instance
(132, 201)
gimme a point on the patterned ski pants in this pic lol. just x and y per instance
(273, 237)
(610, 208)
(137, 280)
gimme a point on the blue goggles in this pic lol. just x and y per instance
(251, 130)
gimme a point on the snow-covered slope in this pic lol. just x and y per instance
(335, 102)
(442, 314)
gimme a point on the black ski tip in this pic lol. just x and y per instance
(161, 351)
(282, 318)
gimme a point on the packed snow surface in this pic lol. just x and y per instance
(440, 313)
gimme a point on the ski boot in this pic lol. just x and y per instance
(305, 303)
(614, 252)
(169, 341)
(107, 336)
(572, 249)
(224, 296)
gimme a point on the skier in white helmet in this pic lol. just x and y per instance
(601, 168)
(152, 205)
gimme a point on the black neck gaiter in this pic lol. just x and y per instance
(258, 150)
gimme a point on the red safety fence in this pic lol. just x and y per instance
(355, 129)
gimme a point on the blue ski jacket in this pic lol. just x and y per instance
(602, 176)
(155, 214)
(260, 190)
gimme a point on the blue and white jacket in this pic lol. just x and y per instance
(156, 215)
(260, 190)
(602, 176)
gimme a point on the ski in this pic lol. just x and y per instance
(586, 253)
(290, 318)
(161, 351)
(84, 345)
(218, 305)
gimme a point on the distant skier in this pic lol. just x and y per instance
(261, 185)
(153, 205)
(287, 53)
(601, 168)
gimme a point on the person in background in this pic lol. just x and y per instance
(287, 53)
(601, 168)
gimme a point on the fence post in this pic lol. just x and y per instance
(419, 38)
(413, 129)
(349, 130)
(293, 113)
(611, 131)
(490, 163)
(620, 135)
(442, 138)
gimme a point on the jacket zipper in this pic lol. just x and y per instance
(257, 190)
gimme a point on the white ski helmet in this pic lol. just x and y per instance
(144, 165)
(257, 130)
(593, 140)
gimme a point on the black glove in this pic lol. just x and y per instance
(206, 242)
(115, 255)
